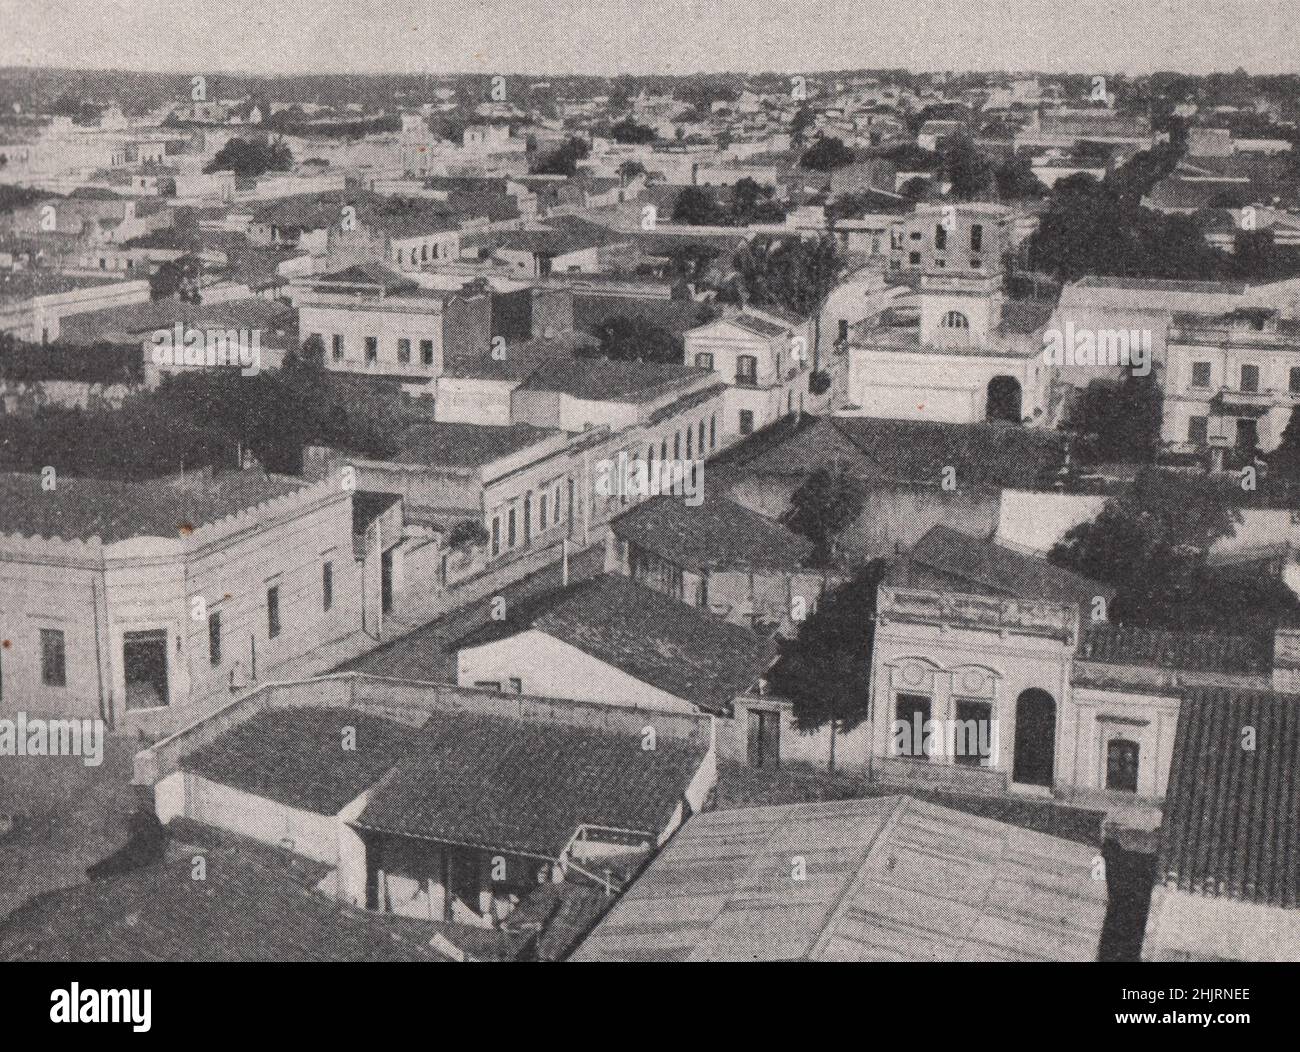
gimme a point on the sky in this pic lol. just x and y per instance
(552, 37)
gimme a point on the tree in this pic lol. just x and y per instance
(563, 160)
(696, 206)
(794, 274)
(917, 188)
(1015, 179)
(827, 503)
(249, 158)
(752, 203)
(628, 131)
(826, 154)
(629, 170)
(803, 120)
(1151, 543)
(631, 339)
(179, 278)
(1120, 419)
(966, 169)
(825, 670)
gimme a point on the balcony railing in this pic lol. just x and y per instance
(1029, 617)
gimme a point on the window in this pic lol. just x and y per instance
(516, 685)
(424, 253)
(273, 611)
(701, 441)
(54, 672)
(663, 449)
(940, 237)
(1198, 429)
(690, 442)
(372, 350)
(542, 520)
(1294, 380)
(426, 352)
(327, 585)
(404, 351)
(510, 528)
(677, 446)
(713, 431)
(746, 370)
(842, 330)
(337, 347)
(1122, 765)
(976, 239)
(496, 534)
(955, 319)
(973, 734)
(1250, 378)
(1200, 374)
(556, 505)
(214, 638)
(914, 258)
(911, 731)
(704, 361)
(746, 422)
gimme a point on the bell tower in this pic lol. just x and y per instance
(961, 272)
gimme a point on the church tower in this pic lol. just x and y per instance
(961, 272)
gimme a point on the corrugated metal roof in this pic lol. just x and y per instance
(884, 879)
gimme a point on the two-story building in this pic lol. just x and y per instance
(1231, 379)
(370, 320)
(766, 360)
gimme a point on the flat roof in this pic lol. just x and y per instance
(81, 508)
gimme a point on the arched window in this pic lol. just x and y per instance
(955, 319)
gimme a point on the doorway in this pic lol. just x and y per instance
(1035, 752)
(763, 730)
(144, 659)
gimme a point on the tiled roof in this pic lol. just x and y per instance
(525, 787)
(1021, 317)
(269, 317)
(256, 903)
(686, 652)
(986, 566)
(676, 316)
(915, 452)
(298, 756)
(717, 535)
(615, 381)
(887, 879)
(758, 326)
(452, 445)
(82, 508)
(1232, 814)
(1182, 651)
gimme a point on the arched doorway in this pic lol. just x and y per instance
(1003, 400)
(1035, 751)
